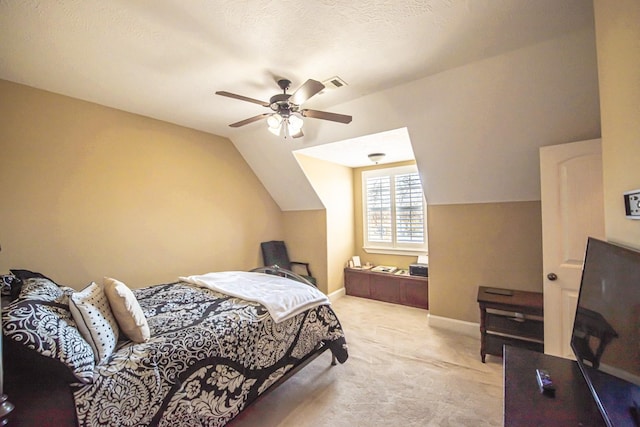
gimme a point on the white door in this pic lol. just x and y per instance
(572, 210)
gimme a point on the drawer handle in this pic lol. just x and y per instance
(552, 276)
(518, 317)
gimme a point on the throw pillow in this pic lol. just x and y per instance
(91, 311)
(126, 310)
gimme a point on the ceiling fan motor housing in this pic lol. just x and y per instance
(284, 84)
(280, 104)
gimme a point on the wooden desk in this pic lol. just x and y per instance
(524, 405)
(405, 290)
(515, 319)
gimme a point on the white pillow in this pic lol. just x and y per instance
(91, 312)
(127, 310)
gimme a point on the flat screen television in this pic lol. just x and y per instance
(606, 330)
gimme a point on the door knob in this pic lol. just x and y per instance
(552, 276)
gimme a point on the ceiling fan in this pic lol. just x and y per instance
(286, 118)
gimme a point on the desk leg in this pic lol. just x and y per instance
(483, 332)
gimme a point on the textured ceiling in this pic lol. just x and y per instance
(165, 59)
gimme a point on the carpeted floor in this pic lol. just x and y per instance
(400, 372)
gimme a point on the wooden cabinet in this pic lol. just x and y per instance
(406, 290)
(514, 319)
(356, 283)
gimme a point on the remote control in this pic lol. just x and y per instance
(545, 383)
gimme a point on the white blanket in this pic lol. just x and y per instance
(283, 298)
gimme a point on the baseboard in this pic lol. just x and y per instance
(460, 326)
(333, 296)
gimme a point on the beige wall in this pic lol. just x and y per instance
(305, 234)
(89, 191)
(470, 245)
(618, 48)
(487, 244)
(85, 157)
(501, 243)
(334, 185)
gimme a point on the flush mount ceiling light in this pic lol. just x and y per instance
(376, 157)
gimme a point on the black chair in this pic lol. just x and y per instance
(275, 253)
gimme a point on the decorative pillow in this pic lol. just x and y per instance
(10, 284)
(40, 331)
(22, 275)
(43, 290)
(19, 276)
(27, 274)
(127, 310)
(90, 309)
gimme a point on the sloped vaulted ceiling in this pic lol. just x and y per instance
(478, 84)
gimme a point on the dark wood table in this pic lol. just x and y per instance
(524, 405)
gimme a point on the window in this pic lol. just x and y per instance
(394, 211)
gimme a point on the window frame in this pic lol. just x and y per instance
(393, 247)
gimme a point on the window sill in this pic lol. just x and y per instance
(395, 251)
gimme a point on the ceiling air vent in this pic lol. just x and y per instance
(334, 83)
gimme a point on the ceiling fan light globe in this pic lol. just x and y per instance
(275, 130)
(274, 121)
(295, 121)
(294, 130)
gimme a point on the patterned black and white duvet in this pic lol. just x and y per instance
(208, 357)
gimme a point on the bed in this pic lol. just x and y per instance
(201, 354)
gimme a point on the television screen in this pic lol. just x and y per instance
(606, 331)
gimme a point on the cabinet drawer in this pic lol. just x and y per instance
(529, 328)
(494, 343)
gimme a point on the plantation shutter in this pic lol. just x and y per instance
(409, 209)
(379, 209)
(394, 211)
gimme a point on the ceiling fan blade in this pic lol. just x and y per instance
(306, 91)
(242, 98)
(298, 135)
(249, 120)
(324, 115)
